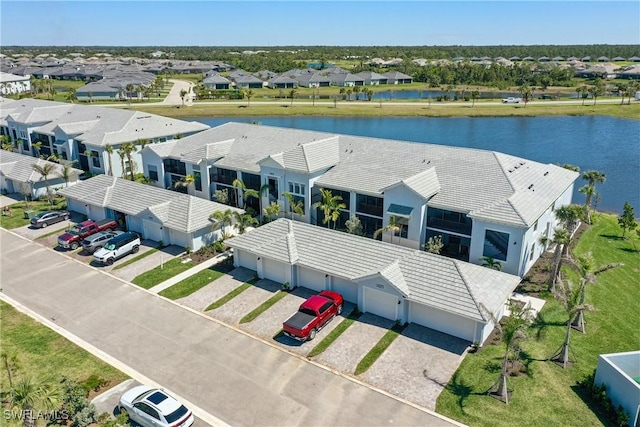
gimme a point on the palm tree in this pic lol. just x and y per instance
(474, 95)
(582, 91)
(65, 172)
(513, 332)
(251, 193)
(30, 397)
(292, 94)
(187, 182)
(71, 95)
(592, 177)
(129, 88)
(129, 148)
(570, 296)
(238, 185)
(221, 219)
(597, 89)
(561, 238)
(526, 92)
(122, 155)
(272, 211)
(491, 263)
(244, 221)
(45, 170)
(249, 95)
(183, 93)
(331, 207)
(392, 226)
(109, 150)
(295, 207)
(5, 142)
(588, 276)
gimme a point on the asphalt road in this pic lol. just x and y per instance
(223, 374)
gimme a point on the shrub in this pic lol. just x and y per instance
(94, 382)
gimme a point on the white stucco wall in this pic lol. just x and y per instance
(617, 371)
(403, 196)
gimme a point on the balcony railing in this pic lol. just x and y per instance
(443, 224)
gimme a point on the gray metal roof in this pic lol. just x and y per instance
(180, 212)
(443, 283)
(19, 168)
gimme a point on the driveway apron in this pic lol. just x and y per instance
(238, 307)
(345, 353)
(215, 290)
(145, 264)
(417, 365)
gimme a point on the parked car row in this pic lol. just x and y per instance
(44, 219)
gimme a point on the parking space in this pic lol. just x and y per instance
(345, 353)
(236, 308)
(147, 263)
(54, 230)
(215, 290)
(269, 323)
(417, 365)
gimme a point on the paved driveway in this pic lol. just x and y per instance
(56, 229)
(135, 269)
(215, 290)
(417, 365)
(241, 380)
(238, 307)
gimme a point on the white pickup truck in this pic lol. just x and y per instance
(511, 100)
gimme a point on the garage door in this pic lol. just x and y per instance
(312, 279)
(442, 321)
(275, 270)
(76, 206)
(152, 231)
(246, 260)
(380, 303)
(346, 288)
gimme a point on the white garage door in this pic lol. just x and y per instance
(246, 260)
(152, 231)
(442, 321)
(275, 270)
(312, 279)
(346, 288)
(76, 206)
(380, 303)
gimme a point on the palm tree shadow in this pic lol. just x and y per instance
(541, 324)
(458, 388)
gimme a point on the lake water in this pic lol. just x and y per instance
(606, 144)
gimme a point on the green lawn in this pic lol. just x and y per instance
(263, 307)
(197, 281)
(41, 352)
(549, 395)
(159, 274)
(17, 218)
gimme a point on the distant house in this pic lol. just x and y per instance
(372, 78)
(586, 59)
(11, 84)
(345, 80)
(398, 78)
(544, 59)
(17, 175)
(515, 59)
(557, 59)
(634, 59)
(603, 59)
(282, 82)
(215, 81)
(618, 59)
(248, 82)
(313, 80)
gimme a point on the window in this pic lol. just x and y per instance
(25, 145)
(273, 189)
(251, 181)
(535, 226)
(370, 205)
(143, 407)
(153, 173)
(174, 166)
(226, 176)
(198, 180)
(95, 160)
(455, 222)
(296, 188)
(533, 248)
(325, 307)
(496, 245)
(403, 227)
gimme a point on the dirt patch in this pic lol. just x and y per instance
(205, 253)
(103, 387)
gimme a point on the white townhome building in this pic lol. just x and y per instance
(82, 133)
(482, 203)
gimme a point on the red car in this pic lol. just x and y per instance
(313, 315)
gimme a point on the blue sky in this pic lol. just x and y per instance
(362, 23)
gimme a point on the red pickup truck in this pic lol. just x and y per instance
(72, 238)
(313, 315)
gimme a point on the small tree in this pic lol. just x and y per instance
(183, 93)
(30, 397)
(109, 150)
(513, 332)
(354, 226)
(244, 221)
(221, 219)
(627, 221)
(491, 263)
(570, 296)
(11, 364)
(392, 227)
(221, 196)
(295, 207)
(434, 245)
(45, 172)
(272, 211)
(187, 182)
(25, 190)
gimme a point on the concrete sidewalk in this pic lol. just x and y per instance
(190, 272)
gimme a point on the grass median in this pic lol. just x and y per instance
(159, 274)
(370, 358)
(231, 295)
(263, 307)
(196, 282)
(548, 394)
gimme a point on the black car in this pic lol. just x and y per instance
(49, 217)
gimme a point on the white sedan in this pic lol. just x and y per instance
(153, 407)
(511, 100)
